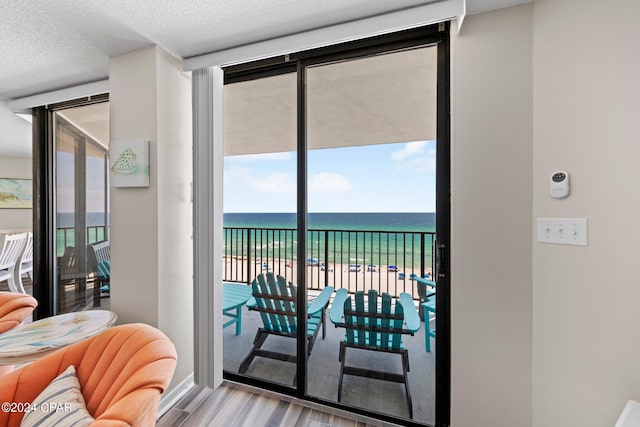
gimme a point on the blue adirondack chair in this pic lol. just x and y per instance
(370, 326)
(100, 260)
(275, 300)
(104, 275)
(428, 307)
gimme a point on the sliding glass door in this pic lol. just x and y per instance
(371, 134)
(82, 210)
(260, 240)
(71, 203)
(337, 181)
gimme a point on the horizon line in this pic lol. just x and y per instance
(368, 212)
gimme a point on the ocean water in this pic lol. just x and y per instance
(345, 238)
(68, 219)
(402, 221)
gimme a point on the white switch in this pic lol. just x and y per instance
(563, 231)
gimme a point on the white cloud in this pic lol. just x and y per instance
(279, 182)
(420, 165)
(410, 149)
(329, 182)
(416, 156)
(235, 172)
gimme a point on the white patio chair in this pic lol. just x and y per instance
(25, 263)
(9, 256)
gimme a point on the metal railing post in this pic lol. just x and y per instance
(422, 254)
(249, 255)
(326, 258)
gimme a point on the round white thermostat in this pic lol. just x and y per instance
(559, 185)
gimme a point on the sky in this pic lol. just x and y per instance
(397, 177)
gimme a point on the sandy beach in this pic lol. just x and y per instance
(346, 276)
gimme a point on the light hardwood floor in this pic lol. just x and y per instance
(238, 406)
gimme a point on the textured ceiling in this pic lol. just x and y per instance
(48, 45)
(51, 45)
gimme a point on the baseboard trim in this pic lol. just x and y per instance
(168, 400)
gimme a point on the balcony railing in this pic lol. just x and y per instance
(387, 261)
(65, 236)
(357, 260)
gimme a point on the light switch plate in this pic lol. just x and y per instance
(563, 231)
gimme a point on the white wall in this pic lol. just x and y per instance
(586, 342)
(16, 167)
(491, 198)
(134, 211)
(151, 246)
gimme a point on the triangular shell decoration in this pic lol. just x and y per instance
(126, 162)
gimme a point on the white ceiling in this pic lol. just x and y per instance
(51, 45)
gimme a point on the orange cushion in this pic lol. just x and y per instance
(122, 372)
(14, 308)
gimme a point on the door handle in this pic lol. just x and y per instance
(440, 261)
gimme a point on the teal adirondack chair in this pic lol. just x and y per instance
(104, 275)
(275, 300)
(100, 261)
(376, 327)
(428, 307)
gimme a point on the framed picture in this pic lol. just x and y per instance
(16, 193)
(129, 163)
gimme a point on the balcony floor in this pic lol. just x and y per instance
(324, 369)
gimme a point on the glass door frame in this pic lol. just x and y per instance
(45, 277)
(433, 35)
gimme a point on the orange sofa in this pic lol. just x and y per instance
(14, 308)
(122, 372)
